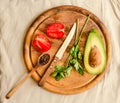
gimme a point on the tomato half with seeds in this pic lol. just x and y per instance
(55, 30)
(41, 43)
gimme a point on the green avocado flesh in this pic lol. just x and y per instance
(94, 40)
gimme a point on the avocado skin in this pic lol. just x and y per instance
(94, 39)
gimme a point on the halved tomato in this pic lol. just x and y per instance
(41, 43)
(55, 30)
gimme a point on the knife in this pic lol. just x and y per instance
(58, 55)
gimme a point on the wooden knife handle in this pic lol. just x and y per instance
(14, 89)
(48, 71)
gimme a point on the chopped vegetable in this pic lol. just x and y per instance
(55, 30)
(41, 43)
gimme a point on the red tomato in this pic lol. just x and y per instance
(55, 30)
(41, 43)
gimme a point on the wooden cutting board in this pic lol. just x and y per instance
(67, 15)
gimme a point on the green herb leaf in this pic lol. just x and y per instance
(81, 71)
(79, 68)
(62, 74)
(72, 50)
(73, 61)
(76, 52)
(59, 68)
(76, 48)
(68, 70)
(79, 55)
(61, 71)
(54, 74)
(58, 77)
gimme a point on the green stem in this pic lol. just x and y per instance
(77, 37)
(77, 34)
(83, 28)
(67, 61)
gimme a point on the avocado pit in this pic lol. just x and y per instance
(94, 57)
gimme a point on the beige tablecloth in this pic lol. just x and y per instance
(15, 18)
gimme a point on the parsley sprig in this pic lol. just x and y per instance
(74, 58)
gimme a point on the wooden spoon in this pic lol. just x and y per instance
(42, 60)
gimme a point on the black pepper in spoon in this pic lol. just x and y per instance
(44, 59)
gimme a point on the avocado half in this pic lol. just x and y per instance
(94, 40)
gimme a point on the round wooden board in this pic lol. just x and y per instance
(67, 15)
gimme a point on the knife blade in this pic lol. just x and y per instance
(58, 55)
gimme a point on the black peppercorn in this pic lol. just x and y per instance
(44, 59)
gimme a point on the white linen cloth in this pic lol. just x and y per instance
(15, 18)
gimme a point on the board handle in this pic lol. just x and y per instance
(15, 88)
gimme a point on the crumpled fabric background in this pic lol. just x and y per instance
(15, 18)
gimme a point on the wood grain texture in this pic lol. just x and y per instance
(66, 15)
